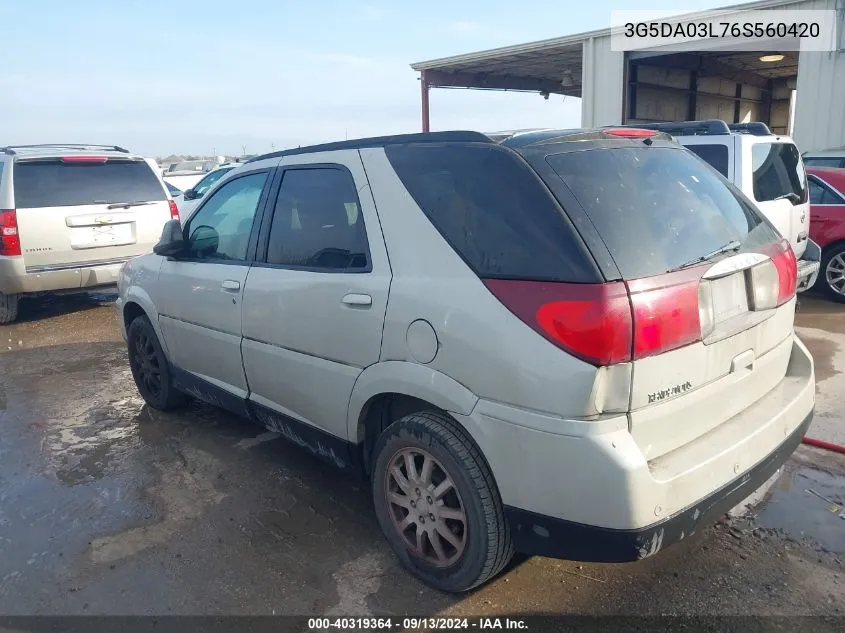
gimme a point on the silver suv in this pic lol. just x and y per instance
(70, 215)
(574, 344)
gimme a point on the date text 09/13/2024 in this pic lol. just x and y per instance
(415, 624)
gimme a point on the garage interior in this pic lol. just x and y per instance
(737, 87)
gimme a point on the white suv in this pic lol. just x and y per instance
(70, 215)
(569, 344)
(765, 167)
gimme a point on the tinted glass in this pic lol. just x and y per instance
(57, 184)
(230, 212)
(715, 155)
(820, 194)
(493, 210)
(317, 222)
(173, 190)
(657, 208)
(205, 184)
(823, 162)
(778, 171)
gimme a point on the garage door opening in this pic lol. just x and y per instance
(736, 87)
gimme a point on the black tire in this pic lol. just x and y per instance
(831, 257)
(147, 358)
(8, 308)
(488, 546)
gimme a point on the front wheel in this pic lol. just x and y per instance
(437, 503)
(832, 273)
(150, 368)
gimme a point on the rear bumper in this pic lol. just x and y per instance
(16, 278)
(808, 266)
(542, 535)
(585, 490)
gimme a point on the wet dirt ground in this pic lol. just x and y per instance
(107, 507)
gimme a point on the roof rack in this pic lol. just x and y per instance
(381, 141)
(12, 149)
(755, 128)
(709, 127)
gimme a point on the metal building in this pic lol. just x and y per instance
(799, 93)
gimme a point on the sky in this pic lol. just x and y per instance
(235, 76)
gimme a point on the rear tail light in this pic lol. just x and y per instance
(786, 265)
(10, 242)
(174, 211)
(610, 323)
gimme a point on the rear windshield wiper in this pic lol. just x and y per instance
(793, 197)
(123, 205)
(733, 245)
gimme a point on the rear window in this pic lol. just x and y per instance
(715, 155)
(54, 183)
(493, 210)
(778, 171)
(657, 208)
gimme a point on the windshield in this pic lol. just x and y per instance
(657, 208)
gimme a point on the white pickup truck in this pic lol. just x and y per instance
(767, 168)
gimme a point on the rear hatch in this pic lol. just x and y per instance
(699, 298)
(775, 170)
(84, 209)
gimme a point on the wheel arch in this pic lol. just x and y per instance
(388, 391)
(137, 302)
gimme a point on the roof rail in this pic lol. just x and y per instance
(381, 141)
(12, 149)
(708, 127)
(755, 128)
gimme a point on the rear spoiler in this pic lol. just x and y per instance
(708, 127)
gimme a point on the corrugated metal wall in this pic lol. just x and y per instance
(603, 81)
(820, 102)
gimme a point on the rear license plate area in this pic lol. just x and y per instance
(730, 297)
(98, 236)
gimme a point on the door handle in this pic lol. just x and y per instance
(357, 300)
(231, 285)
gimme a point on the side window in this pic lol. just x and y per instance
(206, 183)
(715, 155)
(221, 227)
(823, 162)
(821, 194)
(317, 222)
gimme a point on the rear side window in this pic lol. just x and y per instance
(493, 211)
(657, 208)
(715, 155)
(821, 194)
(317, 222)
(53, 183)
(824, 162)
(778, 171)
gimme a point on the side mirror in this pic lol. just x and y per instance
(189, 194)
(172, 240)
(205, 240)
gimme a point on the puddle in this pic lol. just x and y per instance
(805, 516)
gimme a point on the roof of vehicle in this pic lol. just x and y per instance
(48, 150)
(514, 140)
(709, 127)
(833, 176)
(835, 152)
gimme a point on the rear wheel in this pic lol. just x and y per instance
(150, 368)
(437, 503)
(832, 274)
(8, 308)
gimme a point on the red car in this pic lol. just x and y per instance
(827, 227)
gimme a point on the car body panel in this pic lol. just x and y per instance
(828, 219)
